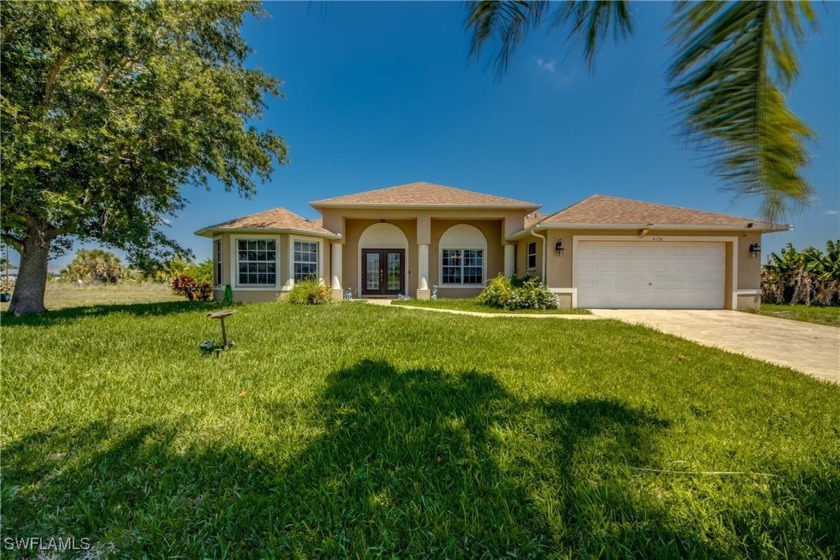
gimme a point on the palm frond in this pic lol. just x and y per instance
(735, 62)
(507, 23)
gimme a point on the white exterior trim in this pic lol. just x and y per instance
(528, 256)
(572, 291)
(234, 262)
(320, 262)
(218, 265)
(749, 292)
(464, 239)
(653, 238)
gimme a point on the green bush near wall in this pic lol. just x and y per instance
(517, 293)
(309, 292)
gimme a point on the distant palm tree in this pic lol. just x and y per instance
(734, 62)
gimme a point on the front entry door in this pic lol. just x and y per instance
(383, 272)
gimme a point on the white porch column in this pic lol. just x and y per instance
(335, 269)
(423, 271)
(510, 259)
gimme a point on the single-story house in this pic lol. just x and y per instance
(421, 238)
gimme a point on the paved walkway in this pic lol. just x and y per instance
(806, 347)
(387, 302)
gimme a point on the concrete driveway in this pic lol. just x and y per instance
(806, 347)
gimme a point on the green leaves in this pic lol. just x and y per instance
(508, 22)
(735, 61)
(109, 108)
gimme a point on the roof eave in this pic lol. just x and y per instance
(770, 228)
(212, 231)
(359, 206)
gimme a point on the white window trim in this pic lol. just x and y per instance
(319, 263)
(234, 264)
(441, 285)
(220, 265)
(466, 247)
(528, 255)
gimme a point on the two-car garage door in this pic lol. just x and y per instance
(650, 274)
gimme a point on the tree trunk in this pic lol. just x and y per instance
(28, 296)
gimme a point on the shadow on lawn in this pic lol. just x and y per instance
(101, 310)
(414, 463)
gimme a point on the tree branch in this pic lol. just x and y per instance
(14, 241)
(52, 75)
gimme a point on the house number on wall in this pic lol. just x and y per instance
(656, 238)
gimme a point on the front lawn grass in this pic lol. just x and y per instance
(809, 313)
(61, 295)
(471, 304)
(365, 431)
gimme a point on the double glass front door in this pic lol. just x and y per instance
(383, 272)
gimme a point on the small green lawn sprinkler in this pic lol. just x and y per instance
(211, 346)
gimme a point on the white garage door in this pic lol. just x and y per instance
(651, 274)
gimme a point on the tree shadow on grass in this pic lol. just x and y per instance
(101, 310)
(407, 463)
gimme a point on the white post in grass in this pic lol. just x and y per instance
(510, 259)
(423, 275)
(335, 265)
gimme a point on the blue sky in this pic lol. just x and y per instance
(379, 94)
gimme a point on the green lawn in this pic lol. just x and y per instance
(811, 314)
(357, 430)
(470, 304)
(60, 295)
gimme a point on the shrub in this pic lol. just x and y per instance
(309, 292)
(201, 272)
(514, 293)
(186, 286)
(497, 293)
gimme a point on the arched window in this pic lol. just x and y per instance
(463, 249)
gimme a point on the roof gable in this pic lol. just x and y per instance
(276, 219)
(608, 210)
(422, 194)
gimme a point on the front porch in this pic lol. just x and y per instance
(391, 256)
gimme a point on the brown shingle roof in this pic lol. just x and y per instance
(424, 195)
(534, 218)
(607, 210)
(276, 219)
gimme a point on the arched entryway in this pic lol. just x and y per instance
(383, 259)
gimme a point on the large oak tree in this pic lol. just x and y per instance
(108, 110)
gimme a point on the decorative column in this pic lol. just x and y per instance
(424, 239)
(423, 271)
(510, 260)
(335, 266)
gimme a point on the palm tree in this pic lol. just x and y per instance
(733, 64)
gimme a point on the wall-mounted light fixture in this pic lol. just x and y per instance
(558, 247)
(755, 250)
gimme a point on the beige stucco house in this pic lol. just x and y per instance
(420, 238)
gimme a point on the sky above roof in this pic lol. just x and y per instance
(380, 94)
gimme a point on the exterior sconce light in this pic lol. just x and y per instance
(558, 247)
(755, 250)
